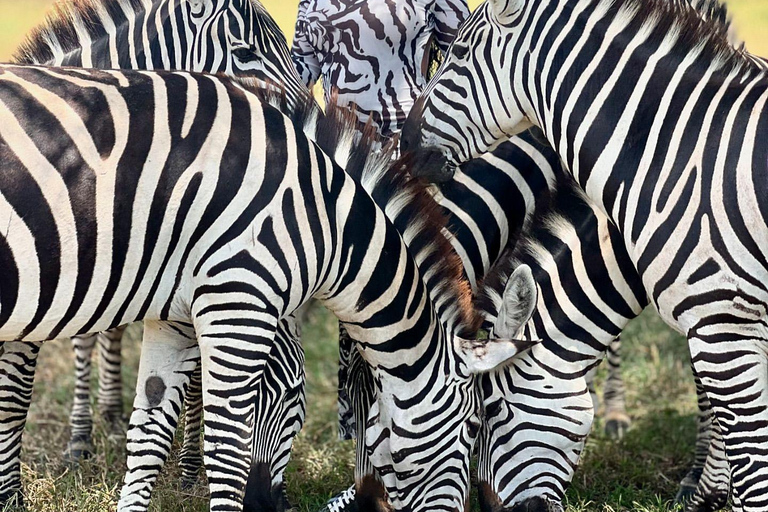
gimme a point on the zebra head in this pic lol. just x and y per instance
(421, 444)
(536, 414)
(239, 37)
(469, 107)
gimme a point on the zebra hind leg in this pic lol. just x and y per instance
(80, 445)
(617, 421)
(17, 374)
(169, 356)
(191, 457)
(359, 391)
(730, 359)
(110, 396)
(706, 487)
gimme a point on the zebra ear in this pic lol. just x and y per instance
(517, 303)
(507, 11)
(482, 356)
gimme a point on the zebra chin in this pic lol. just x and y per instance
(491, 502)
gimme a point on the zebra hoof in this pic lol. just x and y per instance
(616, 429)
(189, 482)
(77, 450)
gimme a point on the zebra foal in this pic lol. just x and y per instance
(212, 229)
(677, 160)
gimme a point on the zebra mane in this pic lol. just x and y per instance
(63, 23)
(408, 204)
(702, 25)
(368, 159)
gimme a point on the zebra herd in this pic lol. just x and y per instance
(212, 207)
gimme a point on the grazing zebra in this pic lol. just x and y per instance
(674, 160)
(217, 218)
(233, 37)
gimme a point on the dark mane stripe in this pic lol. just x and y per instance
(63, 23)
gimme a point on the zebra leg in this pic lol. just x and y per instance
(347, 429)
(169, 356)
(110, 397)
(590, 378)
(234, 350)
(707, 485)
(80, 445)
(280, 412)
(191, 457)
(358, 386)
(17, 374)
(731, 362)
(617, 420)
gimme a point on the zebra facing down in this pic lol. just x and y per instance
(220, 223)
(233, 37)
(676, 160)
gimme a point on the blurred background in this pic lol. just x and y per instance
(639, 473)
(750, 17)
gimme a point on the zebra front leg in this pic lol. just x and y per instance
(110, 397)
(280, 412)
(80, 445)
(234, 348)
(17, 374)
(617, 420)
(169, 356)
(707, 485)
(191, 457)
(730, 359)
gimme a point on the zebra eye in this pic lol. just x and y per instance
(245, 54)
(460, 51)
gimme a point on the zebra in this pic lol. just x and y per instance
(213, 250)
(374, 55)
(491, 212)
(233, 37)
(652, 156)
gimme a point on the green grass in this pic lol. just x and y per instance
(639, 473)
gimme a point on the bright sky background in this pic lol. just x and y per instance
(17, 17)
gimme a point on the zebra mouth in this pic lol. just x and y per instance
(428, 163)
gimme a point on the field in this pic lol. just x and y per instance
(639, 473)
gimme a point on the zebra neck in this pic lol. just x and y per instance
(375, 287)
(610, 134)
